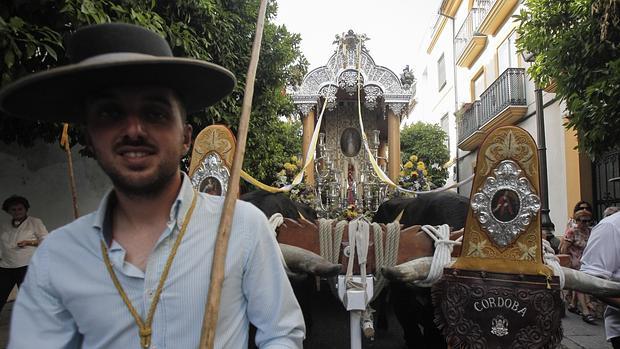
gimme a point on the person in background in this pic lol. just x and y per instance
(573, 244)
(581, 205)
(610, 210)
(601, 258)
(18, 239)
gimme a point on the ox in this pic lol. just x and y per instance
(412, 305)
(431, 208)
(300, 262)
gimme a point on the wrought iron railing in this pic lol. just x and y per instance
(606, 193)
(469, 29)
(469, 122)
(507, 90)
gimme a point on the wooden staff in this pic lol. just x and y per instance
(209, 324)
(64, 142)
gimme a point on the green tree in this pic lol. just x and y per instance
(428, 142)
(219, 31)
(576, 43)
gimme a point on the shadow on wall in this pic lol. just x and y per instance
(40, 173)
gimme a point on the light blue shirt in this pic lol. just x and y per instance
(68, 299)
(601, 258)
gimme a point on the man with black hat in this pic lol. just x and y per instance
(135, 273)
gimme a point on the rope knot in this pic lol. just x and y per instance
(145, 337)
(145, 332)
(446, 242)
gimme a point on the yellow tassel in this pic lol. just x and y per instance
(64, 138)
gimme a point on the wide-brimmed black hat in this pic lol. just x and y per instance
(111, 55)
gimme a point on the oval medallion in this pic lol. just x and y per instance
(350, 142)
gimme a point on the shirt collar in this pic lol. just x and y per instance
(178, 210)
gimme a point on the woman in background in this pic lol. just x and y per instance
(573, 244)
(18, 239)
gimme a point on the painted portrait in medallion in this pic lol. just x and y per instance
(350, 142)
(505, 205)
(211, 185)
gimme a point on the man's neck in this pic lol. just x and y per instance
(142, 208)
(138, 222)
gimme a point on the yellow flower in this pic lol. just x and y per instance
(414, 174)
(425, 173)
(290, 167)
(413, 158)
(421, 166)
(409, 164)
(402, 173)
(293, 159)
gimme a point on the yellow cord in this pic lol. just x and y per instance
(145, 328)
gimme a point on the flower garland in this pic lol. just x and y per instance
(301, 192)
(413, 175)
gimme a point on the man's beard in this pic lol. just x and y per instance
(150, 187)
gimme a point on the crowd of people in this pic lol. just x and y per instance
(594, 249)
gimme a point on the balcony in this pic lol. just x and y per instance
(469, 42)
(502, 104)
(450, 7)
(498, 11)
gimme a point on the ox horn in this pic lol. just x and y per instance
(410, 271)
(419, 268)
(303, 261)
(585, 283)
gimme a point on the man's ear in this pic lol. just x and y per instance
(187, 138)
(88, 140)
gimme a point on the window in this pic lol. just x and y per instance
(441, 72)
(445, 125)
(507, 53)
(477, 85)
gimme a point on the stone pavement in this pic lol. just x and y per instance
(577, 334)
(581, 335)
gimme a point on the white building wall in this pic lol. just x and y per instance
(40, 174)
(433, 102)
(554, 131)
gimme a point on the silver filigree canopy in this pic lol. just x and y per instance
(211, 168)
(372, 94)
(341, 71)
(506, 204)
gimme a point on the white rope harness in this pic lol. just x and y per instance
(329, 241)
(275, 221)
(385, 256)
(553, 261)
(443, 250)
(359, 236)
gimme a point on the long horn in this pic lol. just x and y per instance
(410, 271)
(582, 282)
(303, 261)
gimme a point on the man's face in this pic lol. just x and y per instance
(138, 136)
(18, 211)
